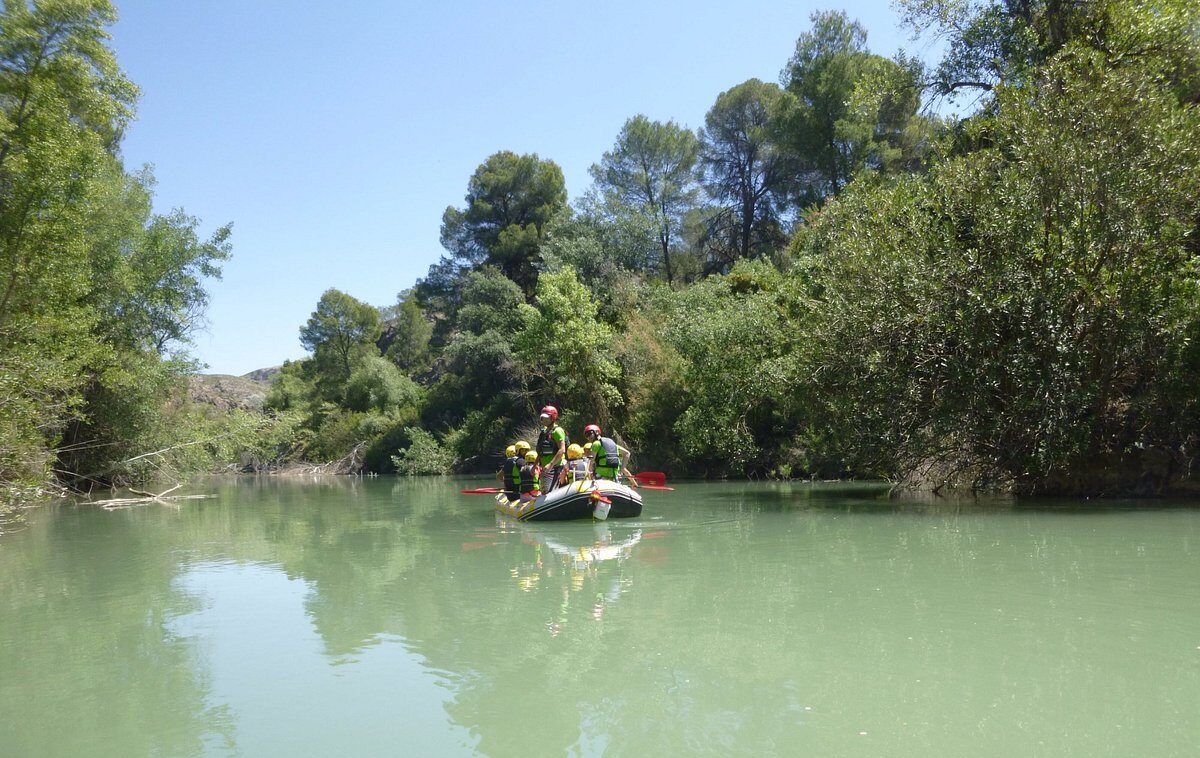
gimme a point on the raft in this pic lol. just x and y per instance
(577, 500)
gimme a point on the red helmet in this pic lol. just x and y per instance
(592, 428)
(551, 411)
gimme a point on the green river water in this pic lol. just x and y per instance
(399, 618)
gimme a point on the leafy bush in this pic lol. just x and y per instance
(377, 385)
(728, 329)
(423, 456)
(1027, 315)
(567, 349)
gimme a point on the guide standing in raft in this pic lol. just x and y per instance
(551, 447)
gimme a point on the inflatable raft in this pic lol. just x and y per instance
(599, 499)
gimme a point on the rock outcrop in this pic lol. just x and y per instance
(225, 392)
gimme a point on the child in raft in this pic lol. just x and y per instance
(530, 473)
(577, 466)
(510, 472)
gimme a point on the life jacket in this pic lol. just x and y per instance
(512, 472)
(578, 469)
(608, 459)
(547, 446)
(529, 478)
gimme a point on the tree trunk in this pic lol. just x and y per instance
(666, 247)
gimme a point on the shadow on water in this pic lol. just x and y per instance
(879, 497)
(865, 497)
(983, 503)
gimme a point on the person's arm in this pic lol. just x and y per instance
(625, 454)
(632, 479)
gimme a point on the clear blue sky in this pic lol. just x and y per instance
(334, 135)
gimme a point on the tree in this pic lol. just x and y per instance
(292, 388)
(606, 251)
(490, 303)
(63, 106)
(651, 170)
(996, 40)
(340, 330)
(406, 335)
(145, 290)
(148, 270)
(424, 456)
(98, 295)
(480, 383)
(510, 199)
(727, 330)
(1026, 315)
(567, 349)
(1001, 41)
(744, 173)
(843, 108)
(377, 385)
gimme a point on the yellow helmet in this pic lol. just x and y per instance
(574, 451)
(510, 451)
(521, 446)
(531, 457)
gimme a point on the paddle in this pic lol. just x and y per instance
(656, 478)
(482, 491)
(653, 480)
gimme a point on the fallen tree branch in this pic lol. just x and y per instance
(152, 495)
(145, 498)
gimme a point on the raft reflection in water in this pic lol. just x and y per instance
(574, 559)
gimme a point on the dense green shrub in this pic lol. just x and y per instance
(423, 456)
(377, 385)
(1026, 315)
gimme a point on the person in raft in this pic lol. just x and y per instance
(522, 447)
(576, 469)
(509, 472)
(606, 456)
(528, 480)
(551, 447)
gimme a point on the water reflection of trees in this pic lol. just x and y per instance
(741, 624)
(480, 601)
(732, 629)
(104, 669)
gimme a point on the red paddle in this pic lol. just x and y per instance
(482, 491)
(652, 478)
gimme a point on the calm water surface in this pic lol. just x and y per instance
(387, 617)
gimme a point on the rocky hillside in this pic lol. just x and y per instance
(225, 392)
(263, 374)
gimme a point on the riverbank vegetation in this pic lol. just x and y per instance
(98, 293)
(826, 278)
